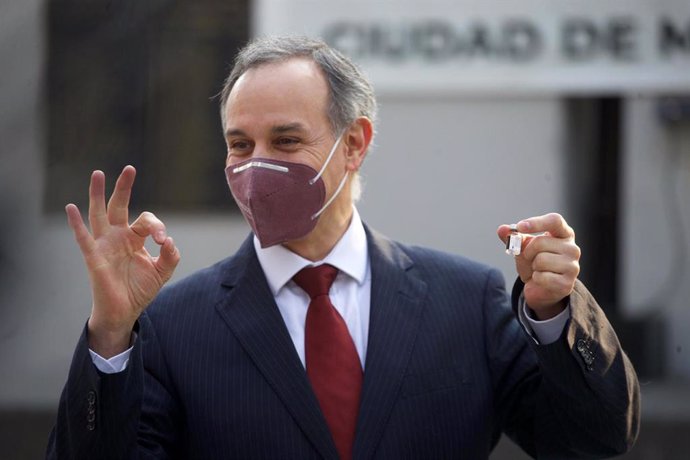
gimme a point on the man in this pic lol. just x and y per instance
(409, 353)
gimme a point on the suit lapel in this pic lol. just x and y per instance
(252, 315)
(396, 305)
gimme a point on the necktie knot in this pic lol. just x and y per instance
(316, 281)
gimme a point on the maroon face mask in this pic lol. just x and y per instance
(277, 198)
(280, 200)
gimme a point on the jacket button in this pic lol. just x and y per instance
(91, 397)
(585, 352)
(90, 426)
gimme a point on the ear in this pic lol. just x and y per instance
(357, 139)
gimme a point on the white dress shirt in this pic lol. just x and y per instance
(350, 294)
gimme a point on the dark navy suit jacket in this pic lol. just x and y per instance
(214, 373)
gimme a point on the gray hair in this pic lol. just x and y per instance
(351, 95)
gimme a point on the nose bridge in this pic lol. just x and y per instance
(258, 163)
(262, 148)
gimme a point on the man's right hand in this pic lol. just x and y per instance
(124, 276)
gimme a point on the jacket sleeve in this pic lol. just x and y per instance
(127, 415)
(579, 398)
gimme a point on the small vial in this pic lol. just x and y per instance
(514, 243)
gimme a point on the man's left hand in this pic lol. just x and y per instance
(548, 263)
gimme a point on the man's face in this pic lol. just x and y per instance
(279, 111)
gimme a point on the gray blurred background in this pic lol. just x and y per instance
(489, 114)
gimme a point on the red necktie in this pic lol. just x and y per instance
(333, 365)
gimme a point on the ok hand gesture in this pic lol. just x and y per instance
(124, 276)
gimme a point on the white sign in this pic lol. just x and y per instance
(528, 46)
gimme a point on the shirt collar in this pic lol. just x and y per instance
(349, 255)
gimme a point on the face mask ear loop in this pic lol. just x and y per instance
(328, 158)
(335, 194)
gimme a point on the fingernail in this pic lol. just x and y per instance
(524, 226)
(160, 235)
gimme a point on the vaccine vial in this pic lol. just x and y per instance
(514, 243)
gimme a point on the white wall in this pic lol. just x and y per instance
(446, 172)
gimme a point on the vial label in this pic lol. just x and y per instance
(514, 244)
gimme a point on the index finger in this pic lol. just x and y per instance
(553, 223)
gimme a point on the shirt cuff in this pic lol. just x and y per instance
(117, 363)
(543, 332)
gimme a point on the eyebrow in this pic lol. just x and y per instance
(279, 129)
(235, 132)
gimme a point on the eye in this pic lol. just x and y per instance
(286, 142)
(239, 147)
